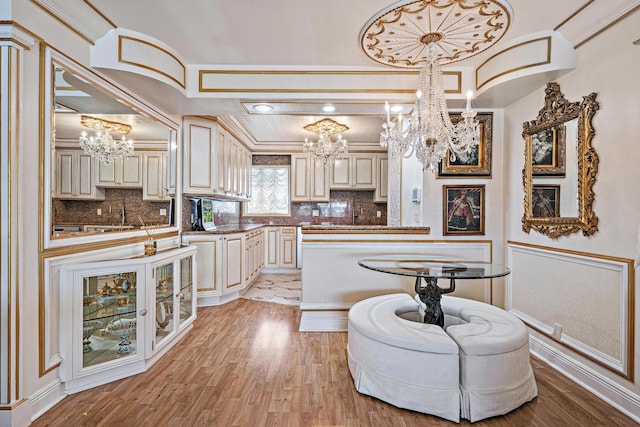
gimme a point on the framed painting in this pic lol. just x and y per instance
(478, 164)
(545, 201)
(463, 209)
(548, 152)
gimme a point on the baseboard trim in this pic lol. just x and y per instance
(46, 398)
(606, 389)
(324, 321)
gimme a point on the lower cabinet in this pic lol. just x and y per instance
(118, 317)
(227, 263)
(280, 247)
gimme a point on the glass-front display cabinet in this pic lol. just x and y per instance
(118, 317)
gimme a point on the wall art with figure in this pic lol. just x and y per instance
(545, 201)
(463, 209)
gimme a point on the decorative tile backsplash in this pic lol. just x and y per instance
(81, 212)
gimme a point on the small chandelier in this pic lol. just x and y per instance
(429, 132)
(326, 149)
(101, 145)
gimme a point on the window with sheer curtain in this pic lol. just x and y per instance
(269, 191)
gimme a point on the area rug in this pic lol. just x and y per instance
(277, 288)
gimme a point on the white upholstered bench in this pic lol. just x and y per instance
(476, 367)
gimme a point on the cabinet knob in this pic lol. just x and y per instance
(180, 295)
(143, 312)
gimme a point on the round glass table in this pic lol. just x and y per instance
(427, 271)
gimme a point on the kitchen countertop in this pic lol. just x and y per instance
(363, 229)
(227, 229)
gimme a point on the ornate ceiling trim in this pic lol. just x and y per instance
(399, 34)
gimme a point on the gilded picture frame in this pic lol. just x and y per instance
(479, 164)
(463, 210)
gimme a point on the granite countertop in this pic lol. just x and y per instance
(372, 229)
(228, 229)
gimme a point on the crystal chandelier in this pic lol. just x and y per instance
(326, 149)
(102, 146)
(429, 131)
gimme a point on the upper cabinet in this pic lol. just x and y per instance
(155, 179)
(122, 173)
(215, 163)
(382, 189)
(354, 172)
(310, 179)
(74, 178)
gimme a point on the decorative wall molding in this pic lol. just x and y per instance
(598, 291)
(16, 36)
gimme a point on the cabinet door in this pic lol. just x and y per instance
(186, 292)
(131, 171)
(301, 176)
(287, 247)
(233, 256)
(271, 247)
(65, 178)
(341, 173)
(199, 140)
(209, 265)
(382, 187)
(164, 281)
(106, 173)
(154, 186)
(319, 185)
(221, 160)
(364, 171)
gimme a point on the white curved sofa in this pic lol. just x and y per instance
(476, 367)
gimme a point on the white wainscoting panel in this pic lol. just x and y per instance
(584, 301)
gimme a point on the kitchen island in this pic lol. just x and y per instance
(332, 280)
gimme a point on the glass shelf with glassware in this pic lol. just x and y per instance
(116, 316)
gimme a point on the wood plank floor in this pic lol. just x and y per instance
(245, 364)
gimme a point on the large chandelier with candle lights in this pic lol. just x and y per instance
(426, 35)
(428, 131)
(324, 148)
(101, 145)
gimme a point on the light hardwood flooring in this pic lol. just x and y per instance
(245, 364)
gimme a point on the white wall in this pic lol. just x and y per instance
(607, 65)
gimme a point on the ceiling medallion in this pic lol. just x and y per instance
(326, 127)
(399, 35)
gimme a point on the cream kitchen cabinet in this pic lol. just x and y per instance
(310, 180)
(155, 187)
(355, 171)
(210, 265)
(74, 176)
(280, 248)
(232, 260)
(381, 194)
(121, 173)
(215, 162)
(253, 255)
(119, 317)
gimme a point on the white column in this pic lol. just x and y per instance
(394, 200)
(13, 410)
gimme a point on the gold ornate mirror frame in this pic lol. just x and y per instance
(557, 111)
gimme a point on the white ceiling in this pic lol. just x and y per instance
(299, 33)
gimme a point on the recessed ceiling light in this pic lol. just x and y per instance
(329, 108)
(396, 108)
(262, 108)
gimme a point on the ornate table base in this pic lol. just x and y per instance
(430, 294)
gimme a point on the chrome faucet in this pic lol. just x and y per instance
(354, 209)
